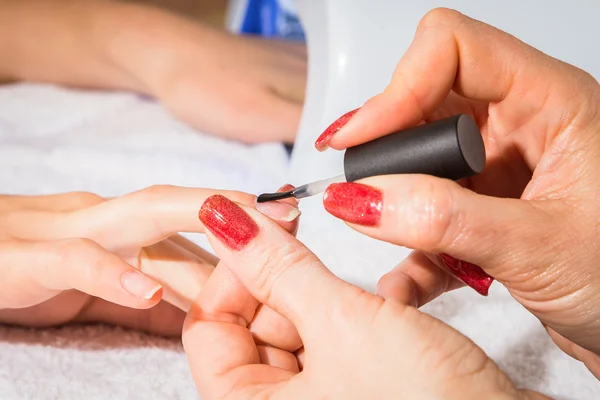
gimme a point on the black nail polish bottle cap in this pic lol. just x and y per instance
(450, 148)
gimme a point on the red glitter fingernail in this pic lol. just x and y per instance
(228, 222)
(354, 202)
(322, 143)
(470, 274)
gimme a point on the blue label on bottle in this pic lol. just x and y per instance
(272, 18)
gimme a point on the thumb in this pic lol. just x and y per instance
(439, 216)
(277, 269)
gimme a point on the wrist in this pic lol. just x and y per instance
(151, 44)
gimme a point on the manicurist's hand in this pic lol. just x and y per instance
(356, 345)
(79, 257)
(529, 220)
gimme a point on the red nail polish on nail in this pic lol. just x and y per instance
(228, 222)
(470, 274)
(354, 202)
(322, 143)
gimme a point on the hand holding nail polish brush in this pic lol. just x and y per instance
(451, 148)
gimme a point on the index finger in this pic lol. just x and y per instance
(148, 216)
(451, 51)
(140, 218)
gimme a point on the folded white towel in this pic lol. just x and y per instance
(55, 140)
(58, 140)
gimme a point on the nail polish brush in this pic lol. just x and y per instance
(450, 148)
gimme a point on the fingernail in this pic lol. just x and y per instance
(286, 188)
(228, 222)
(471, 274)
(138, 285)
(322, 142)
(279, 211)
(354, 202)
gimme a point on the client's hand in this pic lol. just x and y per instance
(78, 257)
(356, 345)
(244, 88)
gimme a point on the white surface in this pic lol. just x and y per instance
(55, 140)
(114, 143)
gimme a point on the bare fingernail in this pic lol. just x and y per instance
(278, 211)
(286, 188)
(138, 285)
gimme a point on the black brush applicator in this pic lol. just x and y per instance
(450, 148)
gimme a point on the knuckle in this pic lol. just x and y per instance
(440, 16)
(275, 262)
(77, 256)
(76, 246)
(77, 252)
(447, 352)
(435, 220)
(591, 94)
(468, 362)
(457, 358)
(152, 193)
(85, 199)
(150, 199)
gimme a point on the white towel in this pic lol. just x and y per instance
(55, 140)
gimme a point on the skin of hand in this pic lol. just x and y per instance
(356, 345)
(77, 257)
(529, 219)
(243, 88)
